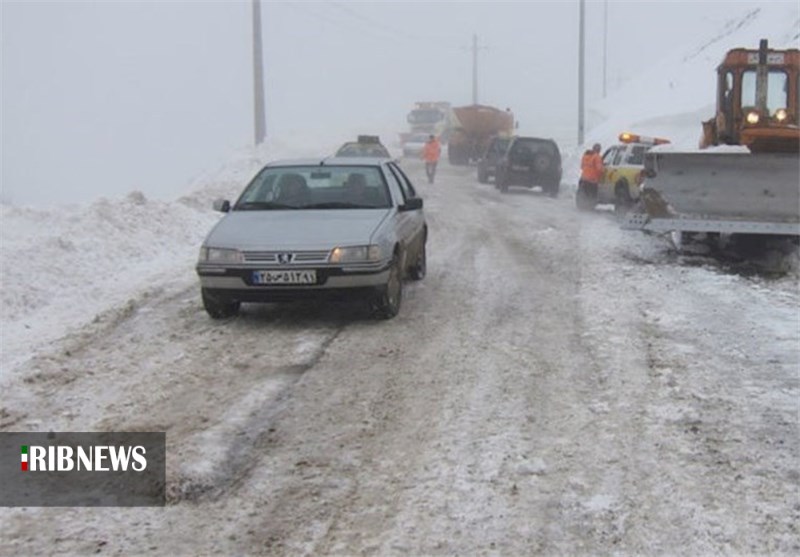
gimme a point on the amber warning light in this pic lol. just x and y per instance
(627, 137)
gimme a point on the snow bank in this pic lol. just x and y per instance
(61, 267)
(718, 149)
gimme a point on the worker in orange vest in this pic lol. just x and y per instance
(591, 174)
(430, 154)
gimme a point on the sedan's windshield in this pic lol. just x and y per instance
(315, 187)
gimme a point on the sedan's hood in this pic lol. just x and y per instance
(312, 229)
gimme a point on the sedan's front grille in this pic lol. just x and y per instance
(286, 257)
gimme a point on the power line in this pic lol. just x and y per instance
(416, 37)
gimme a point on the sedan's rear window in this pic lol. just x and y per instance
(315, 187)
(363, 150)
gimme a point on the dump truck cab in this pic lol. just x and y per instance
(757, 101)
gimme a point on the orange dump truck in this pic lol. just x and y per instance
(473, 128)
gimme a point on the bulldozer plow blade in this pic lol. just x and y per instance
(720, 192)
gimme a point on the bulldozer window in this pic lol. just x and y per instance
(776, 90)
(727, 92)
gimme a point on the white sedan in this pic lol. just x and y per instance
(302, 229)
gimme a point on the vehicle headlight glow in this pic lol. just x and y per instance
(355, 254)
(781, 115)
(752, 117)
(220, 255)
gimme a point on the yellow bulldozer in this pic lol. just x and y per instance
(757, 101)
(752, 189)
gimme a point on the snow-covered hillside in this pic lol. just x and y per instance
(61, 267)
(675, 94)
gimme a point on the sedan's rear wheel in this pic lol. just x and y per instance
(218, 307)
(387, 302)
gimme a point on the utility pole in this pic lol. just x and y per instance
(258, 77)
(580, 71)
(474, 49)
(474, 69)
(605, 44)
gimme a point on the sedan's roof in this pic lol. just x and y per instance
(331, 161)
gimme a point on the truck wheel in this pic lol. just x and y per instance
(218, 307)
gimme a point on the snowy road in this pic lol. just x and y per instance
(554, 386)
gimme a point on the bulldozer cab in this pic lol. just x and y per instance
(757, 100)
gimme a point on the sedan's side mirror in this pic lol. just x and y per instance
(412, 204)
(222, 205)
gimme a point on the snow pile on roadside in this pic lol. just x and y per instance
(60, 267)
(718, 149)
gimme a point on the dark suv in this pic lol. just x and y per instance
(487, 165)
(530, 162)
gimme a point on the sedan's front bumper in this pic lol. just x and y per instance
(334, 282)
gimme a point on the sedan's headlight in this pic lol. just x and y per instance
(355, 254)
(752, 117)
(781, 115)
(220, 255)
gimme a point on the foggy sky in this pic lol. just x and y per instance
(102, 98)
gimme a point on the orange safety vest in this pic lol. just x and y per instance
(432, 151)
(591, 167)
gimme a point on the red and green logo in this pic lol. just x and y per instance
(24, 457)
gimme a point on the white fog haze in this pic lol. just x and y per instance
(576, 368)
(104, 98)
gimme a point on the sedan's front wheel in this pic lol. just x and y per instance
(386, 303)
(218, 307)
(420, 268)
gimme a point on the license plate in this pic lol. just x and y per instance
(519, 167)
(284, 277)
